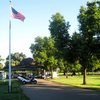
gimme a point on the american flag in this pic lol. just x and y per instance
(17, 15)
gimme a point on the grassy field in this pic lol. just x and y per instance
(16, 93)
(93, 81)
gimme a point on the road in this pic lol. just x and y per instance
(46, 90)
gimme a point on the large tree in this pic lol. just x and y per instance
(73, 52)
(43, 51)
(59, 31)
(89, 27)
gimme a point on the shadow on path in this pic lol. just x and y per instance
(46, 90)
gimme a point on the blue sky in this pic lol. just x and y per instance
(37, 13)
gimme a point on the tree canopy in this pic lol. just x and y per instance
(59, 31)
(79, 52)
(44, 52)
(1, 65)
(89, 27)
(16, 58)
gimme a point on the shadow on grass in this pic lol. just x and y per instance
(16, 93)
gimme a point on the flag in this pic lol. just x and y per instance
(17, 15)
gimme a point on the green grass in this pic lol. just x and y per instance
(16, 94)
(93, 81)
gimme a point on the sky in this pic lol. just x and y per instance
(37, 13)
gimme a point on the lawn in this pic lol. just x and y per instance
(93, 81)
(16, 93)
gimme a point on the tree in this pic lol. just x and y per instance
(38, 50)
(94, 63)
(1, 65)
(44, 52)
(75, 47)
(68, 48)
(59, 31)
(16, 58)
(89, 26)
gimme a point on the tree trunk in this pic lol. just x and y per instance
(73, 73)
(51, 73)
(84, 76)
(64, 73)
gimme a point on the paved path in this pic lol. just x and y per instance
(46, 90)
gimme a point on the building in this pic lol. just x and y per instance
(3, 75)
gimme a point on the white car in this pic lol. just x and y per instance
(24, 80)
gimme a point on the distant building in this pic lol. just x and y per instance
(3, 75)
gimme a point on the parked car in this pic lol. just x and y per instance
(26, 80)
(43, 76)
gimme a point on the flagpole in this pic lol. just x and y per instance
(9, 88)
